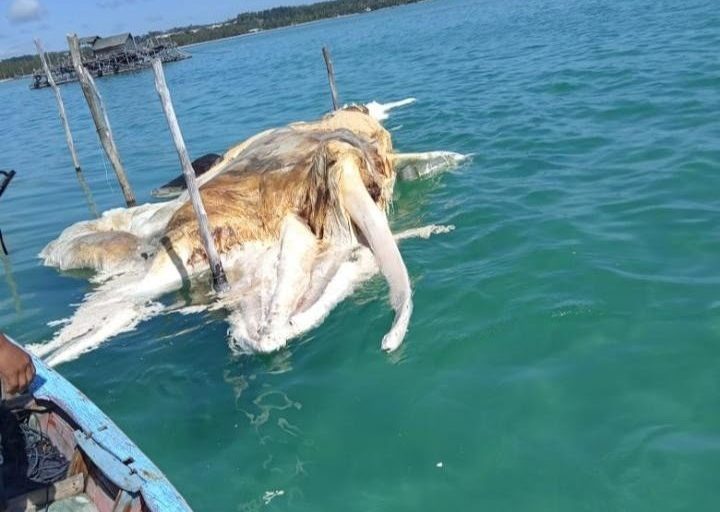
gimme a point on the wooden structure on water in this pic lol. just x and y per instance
(111, 55)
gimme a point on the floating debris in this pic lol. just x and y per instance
(271, 495)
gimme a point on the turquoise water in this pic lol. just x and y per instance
(564, 347)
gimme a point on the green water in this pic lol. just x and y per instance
(564, 347)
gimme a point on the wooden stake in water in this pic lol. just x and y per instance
(66, 126)
(61, 105)
(220, 283)
(331, 77)
(102, 123)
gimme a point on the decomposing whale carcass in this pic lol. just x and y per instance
(298, 215)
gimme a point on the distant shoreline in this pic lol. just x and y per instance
(251, 23)
(244, 24)
(276, 29)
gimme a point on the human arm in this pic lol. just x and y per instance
(16, 367)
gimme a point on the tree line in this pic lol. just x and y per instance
(244, 23)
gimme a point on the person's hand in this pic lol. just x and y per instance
(16, 367)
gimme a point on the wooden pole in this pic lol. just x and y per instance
(331, 77)
(99, 115)
(220, 283)
(61, 105)
(66, 126)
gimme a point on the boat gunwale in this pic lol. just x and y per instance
(158, 494)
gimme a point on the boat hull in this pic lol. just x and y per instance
(116, 474)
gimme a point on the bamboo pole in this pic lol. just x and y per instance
(99, 115)
(220, 283)
(66, 126)
(61, 105)
(331, 77)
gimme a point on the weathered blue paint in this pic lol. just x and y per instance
(106, 445)
(116, 470)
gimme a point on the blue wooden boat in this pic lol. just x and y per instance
(102, 469)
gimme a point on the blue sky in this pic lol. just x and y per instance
(50, 20)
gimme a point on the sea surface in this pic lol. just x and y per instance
(564, 351)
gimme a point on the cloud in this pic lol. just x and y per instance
(23, 11)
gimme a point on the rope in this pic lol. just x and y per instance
(29, 459)
(103, 158)
(46, 464)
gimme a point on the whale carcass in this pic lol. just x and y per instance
(298, 215)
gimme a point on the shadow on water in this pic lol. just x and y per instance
(10, 279)
(88, 195)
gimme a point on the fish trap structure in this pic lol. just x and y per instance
(111, 55)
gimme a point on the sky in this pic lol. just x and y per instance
(50, 20)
